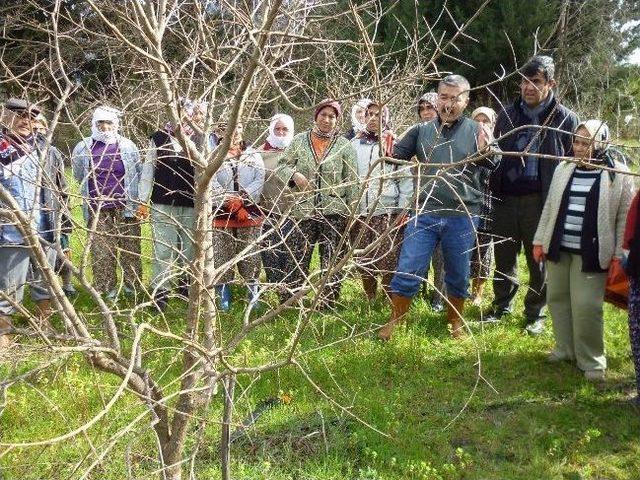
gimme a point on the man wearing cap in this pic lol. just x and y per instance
(320, 169)
(108, 167)
(449, 201)
(536, 123)
(22, 177)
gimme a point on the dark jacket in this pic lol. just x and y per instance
(174, 174)
(453, 191)
(556, 143)
(589, 244)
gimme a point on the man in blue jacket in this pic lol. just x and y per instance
(23, 181)
(537, 125)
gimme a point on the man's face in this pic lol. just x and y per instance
(452, 101)
(535, 89)
(39, 127)
(198, 116)
(21, 123)
(237, 135)
(327, 120)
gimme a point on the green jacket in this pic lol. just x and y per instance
(334, 177)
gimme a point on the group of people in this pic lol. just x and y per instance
(451, 193)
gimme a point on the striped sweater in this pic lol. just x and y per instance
(581, 183)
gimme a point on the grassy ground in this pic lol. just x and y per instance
(488, 407)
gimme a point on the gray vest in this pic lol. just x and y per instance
(448, 191)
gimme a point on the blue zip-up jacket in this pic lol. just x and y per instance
(20, 179)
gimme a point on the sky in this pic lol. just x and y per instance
(635, 57)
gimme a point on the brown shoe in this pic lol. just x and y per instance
(5, 340)
(370, 284)
(399, 307)
(43, 315)
(455, 307)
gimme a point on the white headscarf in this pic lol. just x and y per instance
(361, 104)
(599, 132)
(273, 139)
(490, 113)
(105, 114)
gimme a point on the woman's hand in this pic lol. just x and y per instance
(242, 215)
(142, 213)
(538, 254)
(233, 203)
(301, 182)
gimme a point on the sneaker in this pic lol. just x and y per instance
(493, 316)
(111, 294)
(437, 307)
(594, 375)
(161, 299)
(69, 291)
(535, 328)
(5, 338)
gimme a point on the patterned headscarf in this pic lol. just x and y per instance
(361, 104)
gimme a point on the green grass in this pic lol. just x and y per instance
(488, 407)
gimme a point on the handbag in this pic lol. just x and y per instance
(617, 287)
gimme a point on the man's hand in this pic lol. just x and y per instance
(142, 213)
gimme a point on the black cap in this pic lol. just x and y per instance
(20, 105)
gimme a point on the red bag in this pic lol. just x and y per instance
(617, 286)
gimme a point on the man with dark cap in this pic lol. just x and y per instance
(536, 123)
(23, 177)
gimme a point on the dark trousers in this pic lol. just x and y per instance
(275, 255)
(634, 326)
(515, 220)
(325, 231)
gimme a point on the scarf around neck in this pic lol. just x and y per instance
(530, 138)
(12, 148)
(318, 133)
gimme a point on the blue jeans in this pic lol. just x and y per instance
(422, 233)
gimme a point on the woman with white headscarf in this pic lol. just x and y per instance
(386, 190)
(580, 234)
(482, 254)
(275, 200)
(108, 166)
(358, 120)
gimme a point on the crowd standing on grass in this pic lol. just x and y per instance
(451, 192)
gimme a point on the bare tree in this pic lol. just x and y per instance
(245, 60)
